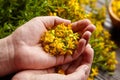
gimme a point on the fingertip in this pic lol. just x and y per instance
(88, 55)
(89, 48)
(85, 68)
(86, 35)
(80, 48)
(82, 43)
(79, 74)
(88, 45)
(87, 21)
(92, 27)
(68, 21)
(80, 25)
(92, 51)
(82, 40)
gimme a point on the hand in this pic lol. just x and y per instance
(22, 50)
(28, 53)
(76, 70)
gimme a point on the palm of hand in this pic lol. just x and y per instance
(28, 51)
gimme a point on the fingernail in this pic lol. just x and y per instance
(81, 45)
(86, 69)
(86, 35)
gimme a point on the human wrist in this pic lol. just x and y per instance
(6, 56)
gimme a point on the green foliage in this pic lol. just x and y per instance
(16, 12)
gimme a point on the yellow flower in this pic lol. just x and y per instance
(59, 10)
(61, 71)
(94, 72)
(112, 67)
(53, 14)
(116, 7)
(99, 27)
(49, 37)
(90, 78)
(75, 5)
(113, 55)
(116, 62)
(46, 47)
(110, 61)
(102, 45)
(60, 41)
(106, 34)
(106, 49)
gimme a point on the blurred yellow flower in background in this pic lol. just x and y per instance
(94, 72)
(105, 56)
(116, 7)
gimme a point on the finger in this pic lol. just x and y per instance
(90, 28)
(59, 60)
(80, 60)
(52, 21)
(80, 25)
(80, 48)
(65, 67)
(69, 58)
(36, 75)
(79, 74)
(73, 65)
(83, 41)
(50, 76)
(77, 53)
(88, 56)
(86, 36)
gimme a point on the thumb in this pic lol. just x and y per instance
(79, 74)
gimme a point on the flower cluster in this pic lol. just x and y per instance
(116, 7)
(60, 41)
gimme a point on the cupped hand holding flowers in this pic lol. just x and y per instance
(26, 51)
